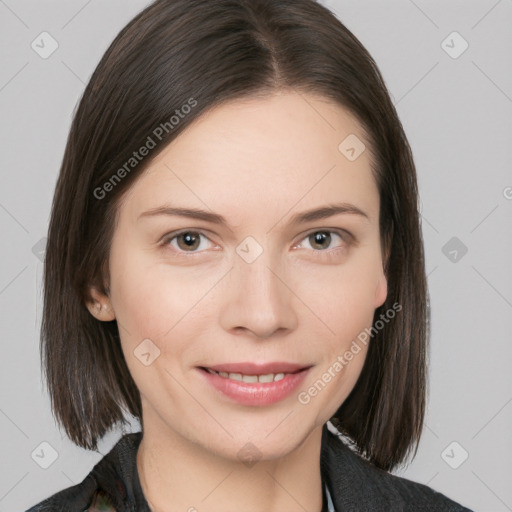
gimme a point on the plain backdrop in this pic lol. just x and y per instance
(448, 67)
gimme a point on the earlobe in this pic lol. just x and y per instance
(100, 307)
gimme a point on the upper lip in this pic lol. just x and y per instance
(248, 368)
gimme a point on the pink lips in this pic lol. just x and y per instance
(256, 393)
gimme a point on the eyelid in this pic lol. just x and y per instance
(345, 235)
(166, 239)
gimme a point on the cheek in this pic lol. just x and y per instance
(137, 298)
(153, 301)
(342, 298)
(348, 315)
(343, 301)
(148, 296)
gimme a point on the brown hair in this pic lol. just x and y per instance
(175, 50)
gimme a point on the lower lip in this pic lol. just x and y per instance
(256, 393)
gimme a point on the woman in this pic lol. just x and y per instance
(235, 258)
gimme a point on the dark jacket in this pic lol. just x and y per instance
(355, 484)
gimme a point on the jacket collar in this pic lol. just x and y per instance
(355, 483)
(341, 469)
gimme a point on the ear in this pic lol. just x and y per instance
(381, 291)
(100, 306)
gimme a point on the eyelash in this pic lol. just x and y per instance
(345, 236)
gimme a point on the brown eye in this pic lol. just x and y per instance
(320, 240)
(187, 241)
(322, 246)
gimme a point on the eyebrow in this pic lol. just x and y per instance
(323, 212)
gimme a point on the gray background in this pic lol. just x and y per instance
(456, 110)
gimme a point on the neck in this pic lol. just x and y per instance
(178, 474)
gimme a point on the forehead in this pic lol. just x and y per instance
(265, 154)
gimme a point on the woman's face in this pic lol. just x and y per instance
(262, 286)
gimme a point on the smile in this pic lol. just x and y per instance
(254, 389)
(269, 377)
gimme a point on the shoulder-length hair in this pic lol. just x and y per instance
(202, 53)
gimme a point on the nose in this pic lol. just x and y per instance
(258, 299)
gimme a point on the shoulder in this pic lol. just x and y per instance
(103, 489)
(357, 484)
(85, 496)
(410, 496)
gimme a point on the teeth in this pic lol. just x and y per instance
(269, 377)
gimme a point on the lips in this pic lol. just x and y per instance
(250, 368)
(254, 384)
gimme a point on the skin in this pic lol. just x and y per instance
(257, 162)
